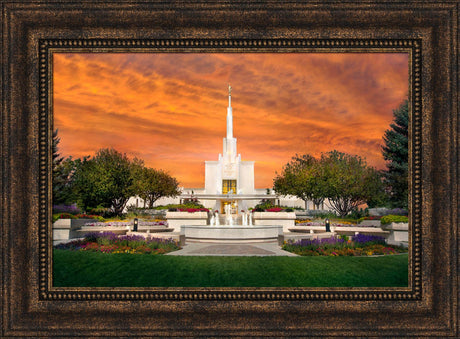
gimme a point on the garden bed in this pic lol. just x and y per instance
(358, 245)
(109, 242)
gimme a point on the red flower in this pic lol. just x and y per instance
(274, 209)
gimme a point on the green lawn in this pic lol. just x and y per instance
(79, 268)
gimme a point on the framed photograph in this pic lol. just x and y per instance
(284, 79)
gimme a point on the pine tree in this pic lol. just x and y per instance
(57, 159)
(62, 174)
(395, 152)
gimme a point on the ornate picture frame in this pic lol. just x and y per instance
(32, 31)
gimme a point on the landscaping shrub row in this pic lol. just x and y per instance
(388, 219)
(358, 245)
(109, 242)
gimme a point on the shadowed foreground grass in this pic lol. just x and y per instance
(79, 268)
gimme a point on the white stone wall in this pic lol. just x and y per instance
(213, 176)
(285, 219)
(178, 219)
(246, 177)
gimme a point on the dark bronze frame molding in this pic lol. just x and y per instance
(33, 30)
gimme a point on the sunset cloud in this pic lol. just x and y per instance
(170, 109)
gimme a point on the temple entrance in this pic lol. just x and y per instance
(228, 186)
(233, 204)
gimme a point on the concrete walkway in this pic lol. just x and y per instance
(228, 249)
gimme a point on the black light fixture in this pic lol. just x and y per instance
(136, 223)
(328, 225)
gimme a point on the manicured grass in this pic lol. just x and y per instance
(82, 268)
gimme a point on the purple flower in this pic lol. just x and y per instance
(72, 209)
(363, 238)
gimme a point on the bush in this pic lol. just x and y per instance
(364, 239)
(264, 204)
(63, 216)
(388, 219)
(70, 209)
(101, 211)
(358, 213)
(368, 218)
(274, 209)
(193, 210)
(184, 206)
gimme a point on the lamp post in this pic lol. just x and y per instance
(328, 225)
(136, 223)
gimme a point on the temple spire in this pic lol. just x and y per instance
(229, 114)
(229, 95)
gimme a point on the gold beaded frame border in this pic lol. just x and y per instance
(49, 46)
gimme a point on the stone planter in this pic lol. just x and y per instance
(178, 219)
(65, 229)
(285, 219)
(399, 233)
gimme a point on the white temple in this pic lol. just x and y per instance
(228, 180)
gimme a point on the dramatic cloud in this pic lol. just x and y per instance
(170, 109)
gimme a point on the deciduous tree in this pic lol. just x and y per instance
(299, 178)
(347, 181)
(105, 180)
(151, 184)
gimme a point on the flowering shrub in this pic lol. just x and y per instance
(368, 218)
(76, 216)
(65, 216)
(157, 222)
(317, 223)
(368, 239)
(108, 242)
(274, 209)
(342, 246)
(193, 210)
(71, 209)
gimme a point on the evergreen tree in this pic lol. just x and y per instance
(395, 152)
(62, 174)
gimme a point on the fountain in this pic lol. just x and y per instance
(232, 232)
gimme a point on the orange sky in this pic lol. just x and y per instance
(170, 109)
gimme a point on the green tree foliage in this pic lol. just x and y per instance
(345, 180)
(105, 180)
(151, 184)
(85, 184)
(395, 152)
(63, 169)
(299, 178)
(110, 178)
